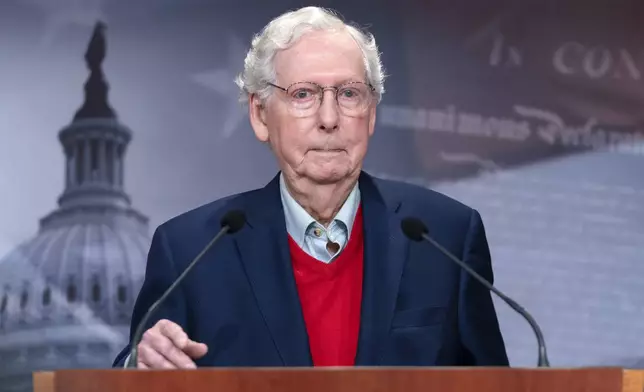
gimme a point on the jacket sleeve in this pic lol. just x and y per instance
(160, 273)
(478, 322)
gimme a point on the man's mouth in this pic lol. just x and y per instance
(327, 149)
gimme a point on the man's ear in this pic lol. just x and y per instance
(257, 115)
(372, 120)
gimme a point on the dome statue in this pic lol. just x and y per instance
(66, 295)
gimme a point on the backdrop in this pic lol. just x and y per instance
(529, 111)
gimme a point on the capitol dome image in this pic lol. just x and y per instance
(67, 293)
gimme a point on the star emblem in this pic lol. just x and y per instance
(221, 81)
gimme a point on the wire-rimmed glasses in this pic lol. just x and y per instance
(305, 98)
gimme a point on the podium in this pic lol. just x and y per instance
(367, 379)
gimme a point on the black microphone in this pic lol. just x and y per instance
(232, 222)
(416, 230)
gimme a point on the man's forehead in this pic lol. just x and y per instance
(331, 57)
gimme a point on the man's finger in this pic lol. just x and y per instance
(195, 350)
(165, 347)
(150, 357)
(174, 332)
(142, 365)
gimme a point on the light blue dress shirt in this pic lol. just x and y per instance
(312, 236)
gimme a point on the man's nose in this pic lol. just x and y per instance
(328, 113)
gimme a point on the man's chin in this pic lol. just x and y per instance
(327, 177)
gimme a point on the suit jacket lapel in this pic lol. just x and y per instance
(263, 246)
(385, 253)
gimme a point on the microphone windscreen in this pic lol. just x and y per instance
(413, 228)
(234, 219)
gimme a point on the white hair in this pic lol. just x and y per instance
(284, 31)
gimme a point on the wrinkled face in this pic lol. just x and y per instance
(324, 145)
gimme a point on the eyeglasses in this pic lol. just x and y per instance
(305, 98)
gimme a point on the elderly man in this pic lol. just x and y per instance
(321, 275)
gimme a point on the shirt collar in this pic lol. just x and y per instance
(298, 220)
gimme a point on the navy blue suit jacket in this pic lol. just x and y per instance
(418, 308)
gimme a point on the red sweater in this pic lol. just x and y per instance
(331, 295)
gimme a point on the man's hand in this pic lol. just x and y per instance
(167, 346)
